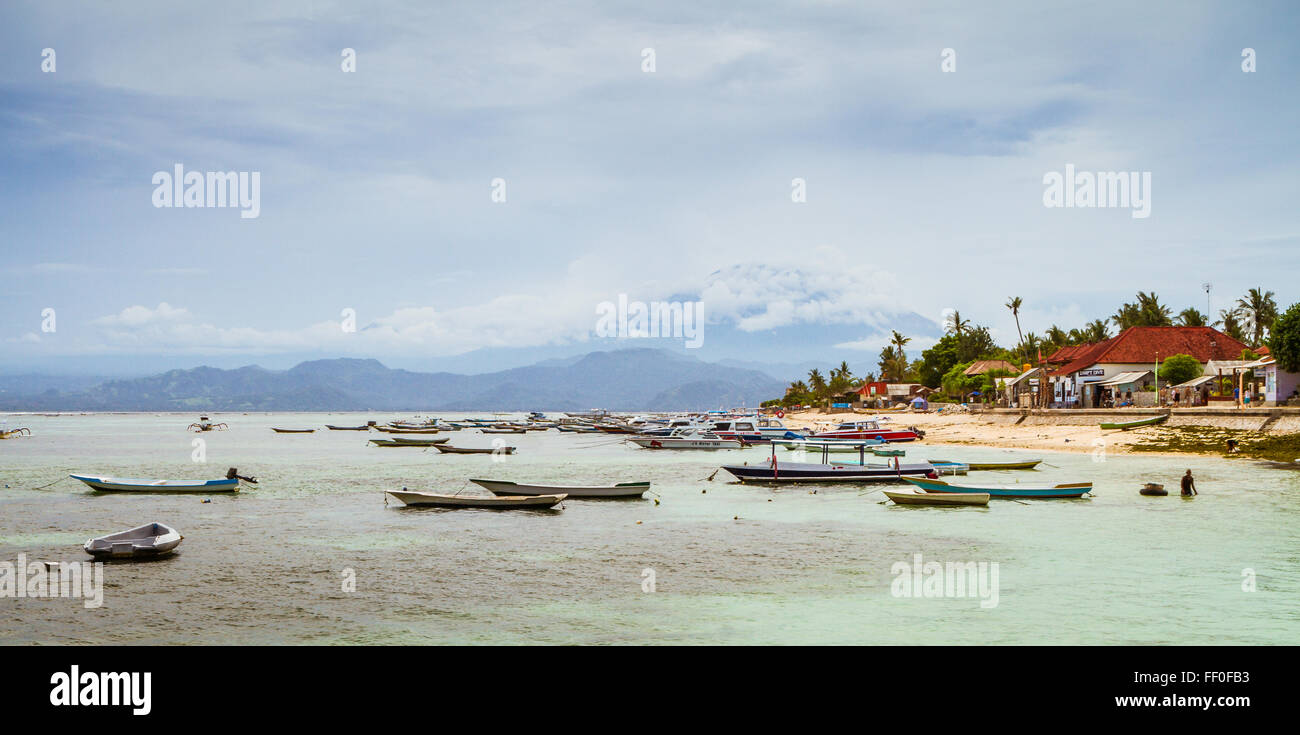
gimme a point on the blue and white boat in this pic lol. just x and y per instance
(117, 484)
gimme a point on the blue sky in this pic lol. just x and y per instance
(924, 188)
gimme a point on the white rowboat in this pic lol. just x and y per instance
(117, 484)
(411, 497)
(621, 490)
(151, 539)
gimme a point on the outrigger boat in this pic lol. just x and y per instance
(920, 498)
(492, 502)
(776, 471)
(115, 484)
(149, 540)
(621, 490)
(473, 450)
(1024, 464)
(204, 424)
(1126, 425)
(1067, 490)
(870, 430)
(14, 433)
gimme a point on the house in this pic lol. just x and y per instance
(984, 367)
(1278, 386)
(1097, 374)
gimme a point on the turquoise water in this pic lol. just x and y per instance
(732, 564)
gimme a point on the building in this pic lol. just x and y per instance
(984, 367)
(1121, 369)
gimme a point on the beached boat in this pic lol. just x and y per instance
(687, 439)
(808, 472)
(149, 540)
(347, 428)
(292, 431)
(473, 450)
(1126, 425)
(1067, 490)
(1021, 464)
(116, 484)
(493, 502)
(870, 430)
(621, 490)
(920, 498)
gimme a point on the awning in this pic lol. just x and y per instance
(1123, 378)
(1194, 382)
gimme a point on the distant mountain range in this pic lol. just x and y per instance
(623, 380)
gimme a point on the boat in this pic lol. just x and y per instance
(1153, 488)
(778, 472)
(116, 484)
(205, 424)
(15, 433)
(754, 431)
(347, 428)
(1126, 425)
(292, 431)
(829, 445)
(494, 502)
(870, 430)
(1023, 464)
(473, 450)
(950, 468)
(1282, 465)
(889, 452)
(1066, 490)
(407, 442)
(621, 490)
(687, 439)
(397, 430)
(149, 540)
(504, 431)
(919, 498)
(571, 429)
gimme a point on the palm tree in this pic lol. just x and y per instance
(816, 384)
(1190, 317)
(1230, 323)
(954, 324)
(1029, 346)
(1258, 311)
(1014, 306)
(1096, 331)
(899, 342)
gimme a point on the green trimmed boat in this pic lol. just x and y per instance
(1027, 464)
(1126, 425)
(1067, 490)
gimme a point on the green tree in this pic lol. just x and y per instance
(1177, 369)
(1230, 323)
(1284, 340)
(1014, 305)
(938, 360)
(1258, 311)
(1096, 331)
(816, 385)
(1190, 317)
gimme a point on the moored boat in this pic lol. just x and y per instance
(116, 484)
(445, 449)
(1020, 464)
(1126, 425)
(870, 430)
(292, 431)
(149, 540)
(687, 439)
(826, 445)
(492, 502)
(1065, 490)
(347, 428)
(620, 490)
(921, 498)
(789, 472)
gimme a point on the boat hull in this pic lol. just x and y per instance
(149, 540)
(1068, 490)
(792, 472)
(473, 450)
(1028, 464)
(121, 485)
(919, 498)
(664, 442)
(1125, 425)
(621, 490)
(489, 502)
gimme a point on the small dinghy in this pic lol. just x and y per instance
(1153, 488)
(621, 490)
(117, 484)
(347, 428)
(915, 498)
(408, 442)
(149, 540)
(473, 450)
(493, 502)
(292, 431)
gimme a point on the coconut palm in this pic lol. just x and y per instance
(1014, 306)
(1190, 317)
(1230, 323)
(1258, 311)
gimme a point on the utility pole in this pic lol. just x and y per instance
(1209, 311)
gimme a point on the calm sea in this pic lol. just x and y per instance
(730, 564)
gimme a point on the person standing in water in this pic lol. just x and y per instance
(1189, 485)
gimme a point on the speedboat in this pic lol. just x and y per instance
(870, 430)
(688, 439)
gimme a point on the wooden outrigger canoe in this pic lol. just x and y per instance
(1067, 490)
(1025, 464)
(1126, 425)
(492, 502)
(621, 490)
(115, 484)
(473, 450)
(920, 498)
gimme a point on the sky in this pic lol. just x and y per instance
(491, 172)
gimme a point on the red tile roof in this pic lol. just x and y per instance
(981, 367)
(1143, 344)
